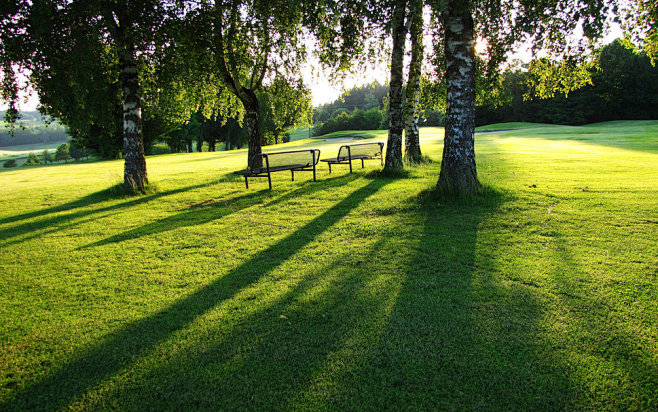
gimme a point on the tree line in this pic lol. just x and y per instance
(124, 73)
(622, 85)
(32, 129)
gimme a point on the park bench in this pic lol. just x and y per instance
(357, 151)
(295, 161)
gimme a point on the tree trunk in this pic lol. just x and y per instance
(252, 121)
(134, 174)
(396, 113)
(412, 136)
(458, 173)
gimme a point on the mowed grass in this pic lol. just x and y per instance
(355, 292)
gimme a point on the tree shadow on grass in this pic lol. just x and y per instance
(606, 332)
(457, 337)
(418, 321)
(264, 360)
(50, 222)
(211, 210)
(119, 349)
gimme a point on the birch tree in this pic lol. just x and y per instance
(396, 98)
(247, 43)
(51, 40)
(548, 25)
(412, 104)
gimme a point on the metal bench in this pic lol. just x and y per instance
(295, 161)
(358, 151)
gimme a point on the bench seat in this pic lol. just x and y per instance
(294, 160)
(358, 151)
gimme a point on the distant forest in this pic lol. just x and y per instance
(32, 128)
(624, 86)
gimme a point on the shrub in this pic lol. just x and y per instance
(358, 120)
(63, 152)
(47, 157)
(32, 160)
(10, 163)
(77, 152)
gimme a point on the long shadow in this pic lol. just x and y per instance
(608, 333)
(119, 349)
(431, 328)
(258, 364)
(97, 197)
(457, 337)
(213, 210)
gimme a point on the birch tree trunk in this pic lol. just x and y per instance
(252, 122)
(134, 173)
(396, 112)
(412, 112)
(458, 172)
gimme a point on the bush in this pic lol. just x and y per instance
(78, 152)
(358, 120)
(63, 153)
(32, 160)
(47, 157)
(10, 163)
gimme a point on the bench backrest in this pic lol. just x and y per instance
(360, 149)
(292, 159)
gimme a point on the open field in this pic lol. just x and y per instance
(355, 292)
(20, 152)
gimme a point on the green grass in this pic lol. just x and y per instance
(358, 134)
(355, 292)
(298, 134)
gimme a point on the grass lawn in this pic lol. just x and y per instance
(355, 292)
(299, 133)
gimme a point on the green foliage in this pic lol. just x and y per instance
(364, 97)
(623, 86)
(63, 153)
(47, 156)
(357, 120)
(78, 152)
(32, 160)
(547, 78)
(641, 26)
(9, 163)
(284, 104)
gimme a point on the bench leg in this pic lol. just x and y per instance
(362, 165)
(329, 168)
(292, 174)
(350, 165)
(246, 182)
(269, 179)
(314, 173)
